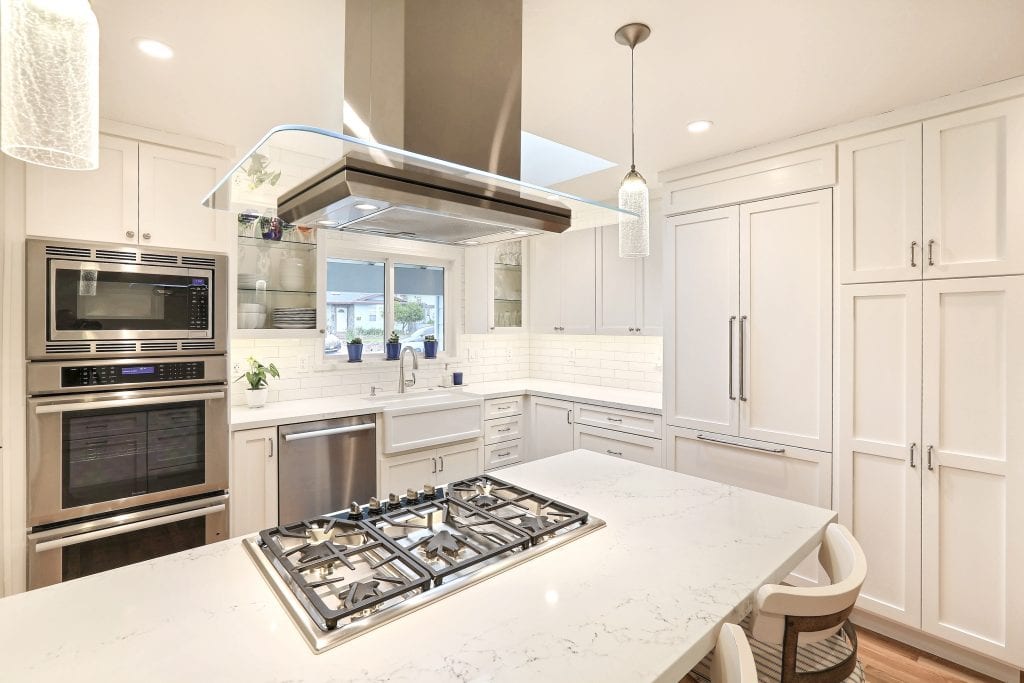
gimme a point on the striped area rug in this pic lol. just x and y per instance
(813, 657)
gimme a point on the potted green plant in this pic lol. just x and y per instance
(430, 346)
(393, 347)
(355, 350)
(256, 376)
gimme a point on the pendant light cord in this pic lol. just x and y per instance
(632, 112)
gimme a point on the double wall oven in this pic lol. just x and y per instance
(127, 406)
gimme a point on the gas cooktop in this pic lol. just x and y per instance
(343, 574)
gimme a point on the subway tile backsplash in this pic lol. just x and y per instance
(623, 362)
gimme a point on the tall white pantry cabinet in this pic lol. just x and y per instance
(931, 383)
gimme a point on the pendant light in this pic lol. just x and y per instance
(634, 231)
(49, 83)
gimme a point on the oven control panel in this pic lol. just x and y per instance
(98, 375)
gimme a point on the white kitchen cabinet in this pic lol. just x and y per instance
(437, 466)
(645, 450)
(253, 481)
(619, 419)
(100, 205)
(798, 474)
(628, 299)
(973, 438)
(701, 325)
(879, 459)
(563, 282)
(973, 208)
(172, 185)
(142, 194)
(550, 427)
(496, 289)
(880, 206)
(785, 323)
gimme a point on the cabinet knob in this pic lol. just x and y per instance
(146, 235)
(130, 234)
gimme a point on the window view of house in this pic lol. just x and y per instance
(419, 304)
(355, 305)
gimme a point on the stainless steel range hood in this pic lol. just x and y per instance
(430, 150)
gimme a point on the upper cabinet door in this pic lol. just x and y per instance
(651, 280)
(618, 285)
(100, 205)
(879, 459)
(880, 206)
(545, 283)
(786, 320)
(973, 203)
(703, 322)
(973, 493)
(172, 184)
(577, 269)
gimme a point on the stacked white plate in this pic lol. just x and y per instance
(294, 318)
(249, 280)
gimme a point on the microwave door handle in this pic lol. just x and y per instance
(127, 402)
(75, 539)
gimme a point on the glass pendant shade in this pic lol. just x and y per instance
(49, 82)
(634, 231)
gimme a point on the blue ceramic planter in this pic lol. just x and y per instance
(355, 353)
(392, 349)
(430, 349)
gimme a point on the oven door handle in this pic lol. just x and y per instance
(75, 539)
(126, 402)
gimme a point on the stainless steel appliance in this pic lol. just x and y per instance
(85, 300)
(344, 574)
(127, 459)
(324, 465)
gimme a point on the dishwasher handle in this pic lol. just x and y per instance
(316, 433)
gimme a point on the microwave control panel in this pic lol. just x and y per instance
(98, 375)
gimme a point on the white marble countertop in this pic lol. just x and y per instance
(630, 399)
(303, 410)
(639, 600)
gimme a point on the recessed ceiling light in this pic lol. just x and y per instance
(699, 126)
(328, 224)
(154, 48)
(471, 243)
(521, 233)
(366, 207)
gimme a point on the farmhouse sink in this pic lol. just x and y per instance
(429, 418)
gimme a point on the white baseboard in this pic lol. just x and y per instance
(940, 648)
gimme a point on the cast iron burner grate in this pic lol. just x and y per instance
(538, 516)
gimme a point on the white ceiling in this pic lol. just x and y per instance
(761, 70)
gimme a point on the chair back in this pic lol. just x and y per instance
(844, 562)
(733, 661)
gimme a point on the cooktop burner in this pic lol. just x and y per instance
(345, 573)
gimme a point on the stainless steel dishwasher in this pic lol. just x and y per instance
(325, 465)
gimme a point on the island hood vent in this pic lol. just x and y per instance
(431, 146)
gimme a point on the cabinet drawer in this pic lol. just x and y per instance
(503, 429)
(501, 454)
(631, 421)
(503, 407)
(642, 449)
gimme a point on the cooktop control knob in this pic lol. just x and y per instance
(412, 496)
(374, 508)
(354, 511)
(429, 492)
(394, 502)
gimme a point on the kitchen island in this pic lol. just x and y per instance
(639, 600)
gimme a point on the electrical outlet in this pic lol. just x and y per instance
(508, 355)
(471, 353)
(303, 363)
(236, 367)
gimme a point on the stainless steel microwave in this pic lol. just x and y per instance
(87, 299)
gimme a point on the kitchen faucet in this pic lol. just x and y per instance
(404, 383)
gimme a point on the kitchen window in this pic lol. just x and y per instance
(370, 298)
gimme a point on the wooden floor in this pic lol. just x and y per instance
(889, 661)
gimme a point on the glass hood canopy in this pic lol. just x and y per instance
(313, 176)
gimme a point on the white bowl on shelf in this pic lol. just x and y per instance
(251, 320)
(252, 308)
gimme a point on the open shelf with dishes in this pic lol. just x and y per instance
(276, 278)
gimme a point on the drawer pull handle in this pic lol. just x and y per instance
(504, 454)
(611, 452)
(740, 445)
(504, 407)
(506, 429)
(614, 419)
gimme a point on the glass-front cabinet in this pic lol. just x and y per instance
(277, 277)
(496, 287)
